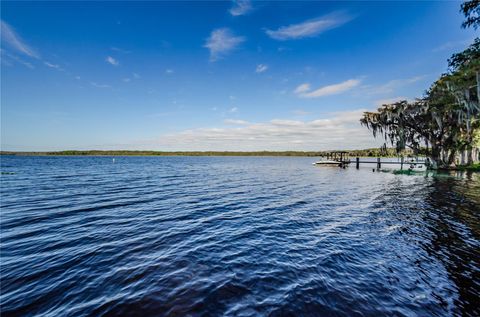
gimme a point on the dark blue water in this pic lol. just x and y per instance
(234, 236)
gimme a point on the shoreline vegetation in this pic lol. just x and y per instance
(443, 124)
(372, 152)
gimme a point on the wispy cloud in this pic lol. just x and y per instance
(336, 131)
(6, 62)
(221, 42)
(7, 59)
(300, 112)
(304, 89)
(14, 41)
(233, 110)
(120, 50)
(240, 7)
(261, 68)
(21, 61)
(310, 28)
(129, 79)
(381, 102)
(169, 71)
(235, 122)
(451, 45)
(392, 85)
(55, 66)
(94, 84)
(112, 61)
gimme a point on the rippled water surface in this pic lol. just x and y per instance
(234, 236)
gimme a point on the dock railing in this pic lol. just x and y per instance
(379, 162)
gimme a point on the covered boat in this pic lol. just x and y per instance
(323, 162)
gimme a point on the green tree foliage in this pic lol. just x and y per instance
(463, 82)
(411, 125)
(471, 10)
(443, 122)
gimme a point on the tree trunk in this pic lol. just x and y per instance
(469, 155)
(451, 157)
(478, 86)
(435, 158)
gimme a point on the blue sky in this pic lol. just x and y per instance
(214, 75)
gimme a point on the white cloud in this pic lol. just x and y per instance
(340, 130)
(235, 122)
(304, 89)
(126, 80)
(169, 71)
(221, 42)
(234, 109)
(309, 28)
(14, 41)
(282, 122)
(112, 61)
(240, 7)
(261, 68)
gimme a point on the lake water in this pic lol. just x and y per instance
(234, 236)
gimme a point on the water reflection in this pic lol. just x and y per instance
(455, 226)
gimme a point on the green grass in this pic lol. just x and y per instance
(475, 167)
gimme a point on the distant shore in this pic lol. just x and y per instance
(374, 152)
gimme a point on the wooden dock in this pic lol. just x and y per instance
(342, 158)
(379, 162)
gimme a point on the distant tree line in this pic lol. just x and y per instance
(446, 120)
(373, 152)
